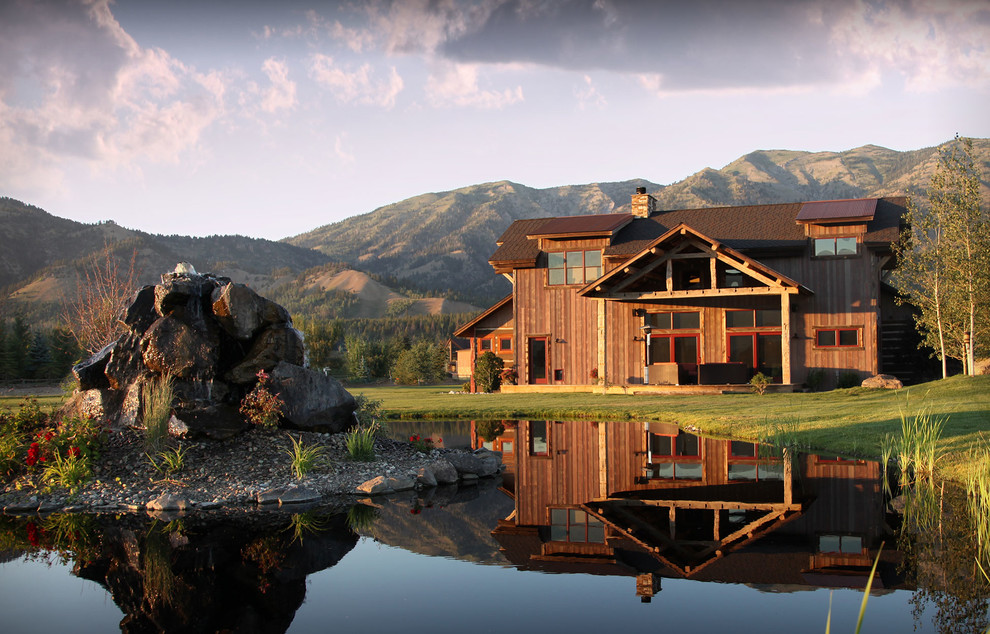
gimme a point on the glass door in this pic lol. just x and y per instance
(538, 359)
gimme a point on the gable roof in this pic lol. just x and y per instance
(744, 228)
(652, 253)
(837, 211)
(463, 331)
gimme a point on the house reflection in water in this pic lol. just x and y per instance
(648, 500)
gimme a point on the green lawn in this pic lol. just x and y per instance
(844, 421)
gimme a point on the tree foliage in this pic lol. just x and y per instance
(423, 362)
(488, 372)
(943, 258)
(92, 315)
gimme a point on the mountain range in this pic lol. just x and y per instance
(389, 261)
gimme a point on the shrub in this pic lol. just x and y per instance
(815, 380)
(423, 445)
(424, 362)
(156, 409)
(262, 407)
(509, 376)
(368, 411)
(848, 379)
(488, 372)
(303, 459)
(760, 382)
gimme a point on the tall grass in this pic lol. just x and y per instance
(977, 480)
(361, 443)
(156, 409)
(917, 449)
(303, 459)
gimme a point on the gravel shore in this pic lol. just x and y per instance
(240, 471)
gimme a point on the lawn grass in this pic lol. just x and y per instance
(850, 422)
(45, 402)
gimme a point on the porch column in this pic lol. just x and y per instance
(785, 337)
(602, 358)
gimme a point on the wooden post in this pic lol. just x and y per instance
(788, 478)
(670, 275)
(785, 337)
(714, 281)
(602, 359)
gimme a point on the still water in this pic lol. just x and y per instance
(593, 526)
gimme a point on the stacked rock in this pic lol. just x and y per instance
(212, 337)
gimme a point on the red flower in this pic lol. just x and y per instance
(34, 446)
(31, 461)
(74, 452)
(49, 435)
(32, 533)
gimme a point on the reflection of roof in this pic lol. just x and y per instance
(748, 227)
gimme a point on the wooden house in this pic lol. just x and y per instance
(695, 297)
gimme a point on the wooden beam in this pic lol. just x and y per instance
(785, 338)
(714, 273)
(779, 507)
(706, 292)
(603, 458)
(602, 356)
(670, 276)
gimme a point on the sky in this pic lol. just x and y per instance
(270, 119)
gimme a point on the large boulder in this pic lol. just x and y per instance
(173, 347)
(312, 400)
(91, 373)
(883, 381)
(481, 462)
(126, 364)
(275, 344)
(242, 313)
(139, 313)
(216, 421)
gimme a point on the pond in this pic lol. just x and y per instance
(592, 526)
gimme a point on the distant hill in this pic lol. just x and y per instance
(42, 257)
(416, 256)
(442, 241)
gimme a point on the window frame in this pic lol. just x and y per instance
(835, 247)
(566, 268)
(836, 330)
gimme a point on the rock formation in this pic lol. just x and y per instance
(212, 337)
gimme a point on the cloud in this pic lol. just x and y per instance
(457, 85)
(75, 86)
(281, 94)
(358, 86)
(588, 95)
(705, 45)
(342, 153)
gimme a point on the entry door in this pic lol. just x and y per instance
(538, 359)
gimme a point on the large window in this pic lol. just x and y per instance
(573, 267)
(760, 318)
(825, 247)
(675, 457)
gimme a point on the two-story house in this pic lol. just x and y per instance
(696, 296)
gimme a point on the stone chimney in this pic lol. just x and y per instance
(643, 205)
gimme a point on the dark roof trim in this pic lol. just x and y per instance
(835, 211)
(582, 226)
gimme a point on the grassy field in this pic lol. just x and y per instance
(849, 421)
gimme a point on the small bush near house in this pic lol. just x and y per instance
(262, 407)
(815, 380)
(848, 379)
(760, 382)
(488, 372)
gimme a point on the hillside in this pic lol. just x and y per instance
(42, 257)
(401, 239)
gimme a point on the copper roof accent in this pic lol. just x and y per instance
(744, 228)
(832, 211)
(582, 226)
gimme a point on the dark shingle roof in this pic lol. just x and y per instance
(749, 227)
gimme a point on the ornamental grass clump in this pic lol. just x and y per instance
(303, 459)
(168, 462)
(156, 409)
(261, 406)
(68, 472)
(361, 443)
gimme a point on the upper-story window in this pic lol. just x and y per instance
(825, 247)
(574, 267)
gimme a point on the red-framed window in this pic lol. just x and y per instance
(838, 337)
(759, 351)
(505, 344)
(757, 318)
(484, 345)
(576, 526)
(573, 267)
